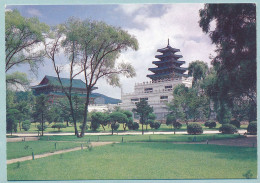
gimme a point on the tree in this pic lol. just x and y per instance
(117, 117)
(151, 119)
(26, 125)
(198, 70)
(143, 109)
(100, 118)
(129, 120)
(92, 49)
(235, 38)
(23, 36)
(41, 110)
(11, 121)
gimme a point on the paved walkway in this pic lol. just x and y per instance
(93, 144)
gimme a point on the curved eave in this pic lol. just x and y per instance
(168, 55)
(156, 76)
(168, 48)
(167, 68)
(168, 61)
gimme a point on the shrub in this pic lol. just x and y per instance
(228, 129)
(115, 126)
(133, 126)
(177, 125)
(59, 126)
(81, 126)
(252, 127)
(39, 127)
(210, 124)
(94, 125)
(194, 129)
(236, 123)
(155, 125)
(26, 125)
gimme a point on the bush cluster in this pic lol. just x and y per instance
(59, 126)
(155, 125)
(133, 126)
(194, 129)
(39, 127)
(210, 124)
(252, 127)
(26, 125)
(236, 123)
(228, 129)
(81, 126)
(115, 126)
(177, 125)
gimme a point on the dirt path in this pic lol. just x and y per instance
(18, 139)
(94, 144)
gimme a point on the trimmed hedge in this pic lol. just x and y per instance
(252, 128)
(133, 126)
(210, 124)
(236, 123)
(177, 125)
(40, 127)
(86, 128)
(194, 129)
(155, 125)
(228, 129)
(115, 126)
(26, 125)
(59, 126)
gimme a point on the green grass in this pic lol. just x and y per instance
(20, 149)
(141, 161)
(142, 138)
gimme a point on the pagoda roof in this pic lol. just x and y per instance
(167, 67)
(167, 61)
(154, 76)
(54, 81)
(168, 48)
(168, 55)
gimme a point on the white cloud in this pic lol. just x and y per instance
(130, 9)
(179, 23)
(34, 12)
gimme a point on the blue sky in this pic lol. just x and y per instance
(151, 24)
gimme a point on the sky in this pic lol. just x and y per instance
(151, 24)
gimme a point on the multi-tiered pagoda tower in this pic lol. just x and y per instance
(168, 66)
(158, 91)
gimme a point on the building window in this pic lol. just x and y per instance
(148, 90)
(143, 98)
(134, 99)
(164, 97)
(168, 87)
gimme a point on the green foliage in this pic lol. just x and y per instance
(86, 127)
(248, 174)
(210, 124)
(252, 127)
(198, 70)
(235, 62)
(26, 125)
(177, 125)
(155, 125)
(22, 36)
(114, 126)
(99, 118)
(59, 126)
(228, 129)
(17, 79)
(194, 129)
(235, 122)
(11, 120)
(39, 127)
(170, 120)
(133, 126)
(94, 125)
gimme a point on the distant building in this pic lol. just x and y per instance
(51, 86)
(159, 90)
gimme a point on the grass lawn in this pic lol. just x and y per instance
(141, 161)
(142, 138)
(20, 149)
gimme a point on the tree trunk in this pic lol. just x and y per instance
(73, 117)
(42, 124)
(142, 128)
(67, 123)
(103, 127)
(20, 125)
(85, 113)
(112, 130)
(146, 126)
